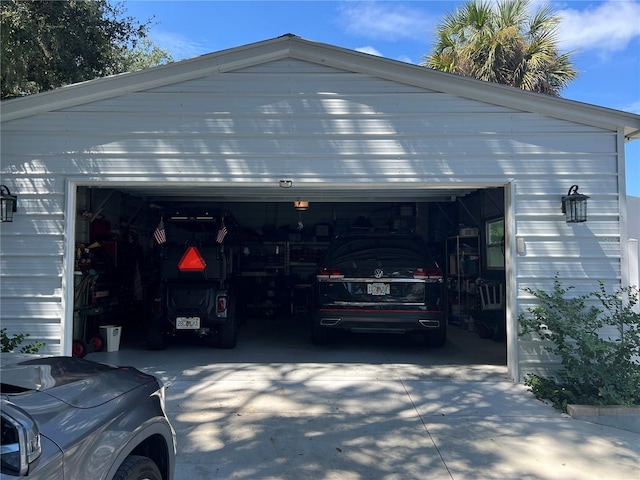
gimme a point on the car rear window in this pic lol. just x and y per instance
(400, 246)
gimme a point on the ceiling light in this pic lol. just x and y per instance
(301, 205)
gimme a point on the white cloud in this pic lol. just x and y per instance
(374, 51)
(610, 26)
(370, 50)
(389, 21)
(632, 107)
(405, 59)
(179, 46)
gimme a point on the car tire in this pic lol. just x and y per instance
(155, 339)
(228, 333)
(319, 334)
(436, 338)
(136, 467)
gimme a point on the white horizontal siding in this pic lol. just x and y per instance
(15, 266)
(290, 118)
(27, 311)
(37, 224)
(570, 268)
(26, 286)
(541, 247)
(306, 123)
(417, 166)
(269, 144)
(287, 65)
(38, 329)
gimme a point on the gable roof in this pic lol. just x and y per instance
(291, 46)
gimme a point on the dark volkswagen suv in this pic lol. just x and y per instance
(385, 283)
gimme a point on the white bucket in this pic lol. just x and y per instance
(111, 335)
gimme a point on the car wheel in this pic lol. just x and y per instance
(136, 467)
(155, 339)
(228, 334)
(436, 338)
(319, 334)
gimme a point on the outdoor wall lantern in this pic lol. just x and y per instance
(8, 204)
(574, 206)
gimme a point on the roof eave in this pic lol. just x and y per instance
(472, 88)
(115, 85)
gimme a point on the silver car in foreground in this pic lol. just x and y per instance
(70, 418)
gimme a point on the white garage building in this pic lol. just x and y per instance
(348, 130)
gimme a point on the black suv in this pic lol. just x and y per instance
(195, 294)
(385, 283)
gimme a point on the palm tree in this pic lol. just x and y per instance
(502, 43)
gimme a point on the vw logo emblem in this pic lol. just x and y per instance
(378, 273)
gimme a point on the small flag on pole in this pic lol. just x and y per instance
(221, 233)
(159, 234)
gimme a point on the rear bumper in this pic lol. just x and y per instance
(205, 301)
(205, 322)
(372, 320)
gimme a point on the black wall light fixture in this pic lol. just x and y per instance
(574, 206)
(8, 204)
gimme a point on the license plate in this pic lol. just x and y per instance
(378, 288)
(188, 323)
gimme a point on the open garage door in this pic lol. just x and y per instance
(275, 237)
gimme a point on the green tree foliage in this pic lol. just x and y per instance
(10, 343)
(597, 338)
(50, 43)
(145, 55)
(503, 43)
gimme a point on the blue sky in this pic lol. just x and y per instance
(604, 37)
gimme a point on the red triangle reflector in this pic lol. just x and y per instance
(192, 261)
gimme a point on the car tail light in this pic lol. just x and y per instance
(427, 273)
(221, 305)
(329, 272)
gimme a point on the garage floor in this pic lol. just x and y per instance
(367, 407)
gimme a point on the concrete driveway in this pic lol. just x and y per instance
(367, 407)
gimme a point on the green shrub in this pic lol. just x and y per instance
(596, 369)
(9, 344)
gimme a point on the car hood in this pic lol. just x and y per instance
(77, 382)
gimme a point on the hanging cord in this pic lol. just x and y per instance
(300, 225)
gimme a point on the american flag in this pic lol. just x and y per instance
(159, 234)
(221, 233)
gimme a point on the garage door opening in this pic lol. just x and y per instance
(272, 249)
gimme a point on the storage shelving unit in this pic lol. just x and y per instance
(263, 269)
(463, 269)
(275, 275)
